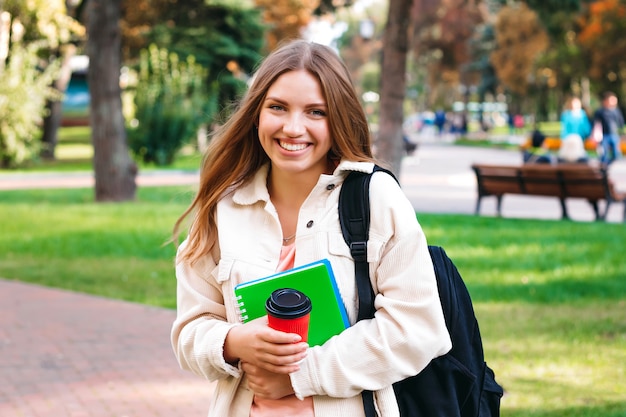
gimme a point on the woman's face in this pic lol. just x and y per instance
(293, 124)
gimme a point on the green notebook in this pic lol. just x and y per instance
(317, 281)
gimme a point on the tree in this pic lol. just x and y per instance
(329, 6)
(563, 66)
(441, 33)
(63, 34)
(480, 49)
(171, 105)
(52, 121)
(393, 81)
(520, 39)
(114, 169)
(360, 46)
(138, 19)
(551, 13)
(225, 37)
(602, 37)
(286, 18)
(24, 89)
(47, 23)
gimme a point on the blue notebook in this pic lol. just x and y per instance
(317, 281)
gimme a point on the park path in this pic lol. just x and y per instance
(437, 179)
(65, 354)
(38, 180)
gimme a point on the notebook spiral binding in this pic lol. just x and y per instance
(241, 311)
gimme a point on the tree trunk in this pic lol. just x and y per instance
(115, 171)
(52, 121)
(390, 148)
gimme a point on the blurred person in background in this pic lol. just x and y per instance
(611, 119)
(572, 150)
(574, 120)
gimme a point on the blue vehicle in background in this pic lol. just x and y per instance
(75, 107)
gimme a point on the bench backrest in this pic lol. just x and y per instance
(540, 181)
(591, 183)
(498, 179)
(562, 180)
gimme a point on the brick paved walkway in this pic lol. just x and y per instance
(65, 354)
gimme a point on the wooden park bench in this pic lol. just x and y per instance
(562, 181)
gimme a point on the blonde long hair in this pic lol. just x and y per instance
(235, 154)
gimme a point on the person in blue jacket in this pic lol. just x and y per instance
(574, 120)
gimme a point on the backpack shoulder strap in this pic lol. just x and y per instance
(354, 217)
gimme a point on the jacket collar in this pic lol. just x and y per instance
(345, 167)
(255, 190)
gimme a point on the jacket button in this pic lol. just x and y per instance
(329, 187)
(310, 224)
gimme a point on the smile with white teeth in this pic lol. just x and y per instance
(292, 146)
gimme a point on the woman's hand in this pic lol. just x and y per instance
(263, 347)
(267, 384)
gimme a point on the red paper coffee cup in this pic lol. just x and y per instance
(289, 310)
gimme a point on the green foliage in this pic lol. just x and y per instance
(603, 42)
(481, 46)
(564, 58)
(24, 89)
(548, 9)
(39, 29)
(45, 20)
(330, 6)
(216, 35)
(171, 103)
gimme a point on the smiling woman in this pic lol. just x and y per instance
(267, 202)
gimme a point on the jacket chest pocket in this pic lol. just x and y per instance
(232, 272)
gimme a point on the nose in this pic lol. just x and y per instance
(294, 125)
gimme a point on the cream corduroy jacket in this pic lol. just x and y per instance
(408, 329)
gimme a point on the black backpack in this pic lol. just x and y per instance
(458, 384)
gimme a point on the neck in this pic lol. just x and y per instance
(287, 193)
(288, 189)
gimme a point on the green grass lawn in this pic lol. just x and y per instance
(550, 296)
(63, 239)
(74, 152)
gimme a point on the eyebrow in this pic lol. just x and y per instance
(279, 100)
